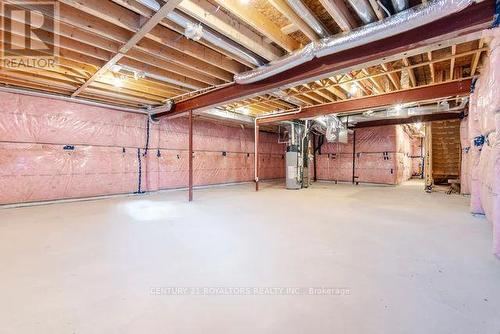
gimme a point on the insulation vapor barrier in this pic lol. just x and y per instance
(481, 138)
(381, 155)
(52, 149)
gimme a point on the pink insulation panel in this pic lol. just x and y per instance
(473, 131)
(488, 87)
(417, 155)
(489, 167)
(483, 159)
(464, 168)
(383, 155)
(101, 155)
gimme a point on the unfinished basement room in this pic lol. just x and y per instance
(250, 166)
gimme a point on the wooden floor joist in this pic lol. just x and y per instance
(146, 28)
(474, 18)
(430, 92)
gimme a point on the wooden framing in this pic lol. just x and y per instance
(478, 16)
(94, 35)
(454, 88)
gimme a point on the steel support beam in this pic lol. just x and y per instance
(409, 120)
(431, 92)
(472, 19)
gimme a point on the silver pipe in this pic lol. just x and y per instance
(160, 77)
(290, 99)
(164, 108)
(216, 40)
(364, 10)
(308, 17)
(70, 99)
(171, 81)
(227, 115)
(396, 24)
(274, 67)
(399, 5)
(207, 35)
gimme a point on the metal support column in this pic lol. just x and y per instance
(256, 156)
(354, 157)
(190, 155)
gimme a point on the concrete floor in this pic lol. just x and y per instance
(410, 263)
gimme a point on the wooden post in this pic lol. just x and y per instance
(190, 167)
(256, 157)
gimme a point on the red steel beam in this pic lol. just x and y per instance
(453, 88)
(474, 18)
(408, 120)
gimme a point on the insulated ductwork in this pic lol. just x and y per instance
(399, 5)
(405, 112)
(164, 108)
(208, 35)
(396, 24)
(227, 115)
(364, 10)
(308, 17)
(285, 97)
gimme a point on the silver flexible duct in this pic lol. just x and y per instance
(284, 96)
(396, 24)
(335, 13)
(364, 10)
(216, 40)
(399, 5)
(306, 14)
(294, 59)
(208, 36)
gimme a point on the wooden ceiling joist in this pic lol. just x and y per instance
(150, 24)
(290, 14)
(260, 23)
(340, 13)
(472, 19)
(206, 13)
(430, 92)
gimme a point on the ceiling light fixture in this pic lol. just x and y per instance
(118, 82)
(243, 110)
(353, 90)
(116, 68)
